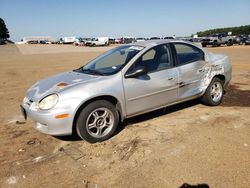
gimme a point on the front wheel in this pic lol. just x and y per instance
(97, 121)
(214, 93)
(215, 44)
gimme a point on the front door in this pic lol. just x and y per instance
(155, 89)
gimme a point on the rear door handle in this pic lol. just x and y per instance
(170, 78)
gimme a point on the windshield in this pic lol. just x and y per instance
(111, 61)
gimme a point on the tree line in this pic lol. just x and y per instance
(241, 30)
(4, 32)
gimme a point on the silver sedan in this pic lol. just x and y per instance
(126, 81)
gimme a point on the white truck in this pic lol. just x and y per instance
(100, 41)
(217, 40)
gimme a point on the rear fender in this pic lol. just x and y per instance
(209, 73)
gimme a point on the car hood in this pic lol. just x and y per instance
(57, 83)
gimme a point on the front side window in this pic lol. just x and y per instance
(188, 53)
(112, 61)
(156, 59)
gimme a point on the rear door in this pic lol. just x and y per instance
(191, 68)
(156, 88)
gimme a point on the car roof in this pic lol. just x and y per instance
(150, 43)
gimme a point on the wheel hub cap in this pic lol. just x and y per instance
(100, 122)
(216, 91)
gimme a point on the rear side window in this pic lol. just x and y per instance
(188, 53)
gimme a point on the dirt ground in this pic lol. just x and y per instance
(188, 143)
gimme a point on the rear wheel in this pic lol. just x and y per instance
(229, 43)
(97, 121)
(214, 93)
(203, 45)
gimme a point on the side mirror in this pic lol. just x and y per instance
(139, 71)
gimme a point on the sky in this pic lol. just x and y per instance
(117, 18)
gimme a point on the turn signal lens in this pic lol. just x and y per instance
(61, 116)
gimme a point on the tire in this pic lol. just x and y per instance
(93, 126)
(213, 95)
(229, 43)
(204, 45)
(215, 44)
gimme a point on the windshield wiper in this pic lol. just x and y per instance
(92, 71)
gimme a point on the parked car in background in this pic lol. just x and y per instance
(217, 40)
(88, 42)
(118, 41)
(238, 40)
(60, 41)
(168, 37)
(139, 39)
(247, 41)
(45, 42)
(127, 40)
(195, 40)
(42, 42)
(155, 38)
(124, 82)
(33, 42)
(111, 40)
(80, 41)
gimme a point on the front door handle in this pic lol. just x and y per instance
(170, 78)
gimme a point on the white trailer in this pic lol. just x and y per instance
(68, 40)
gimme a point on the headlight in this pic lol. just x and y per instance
(48, 102)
